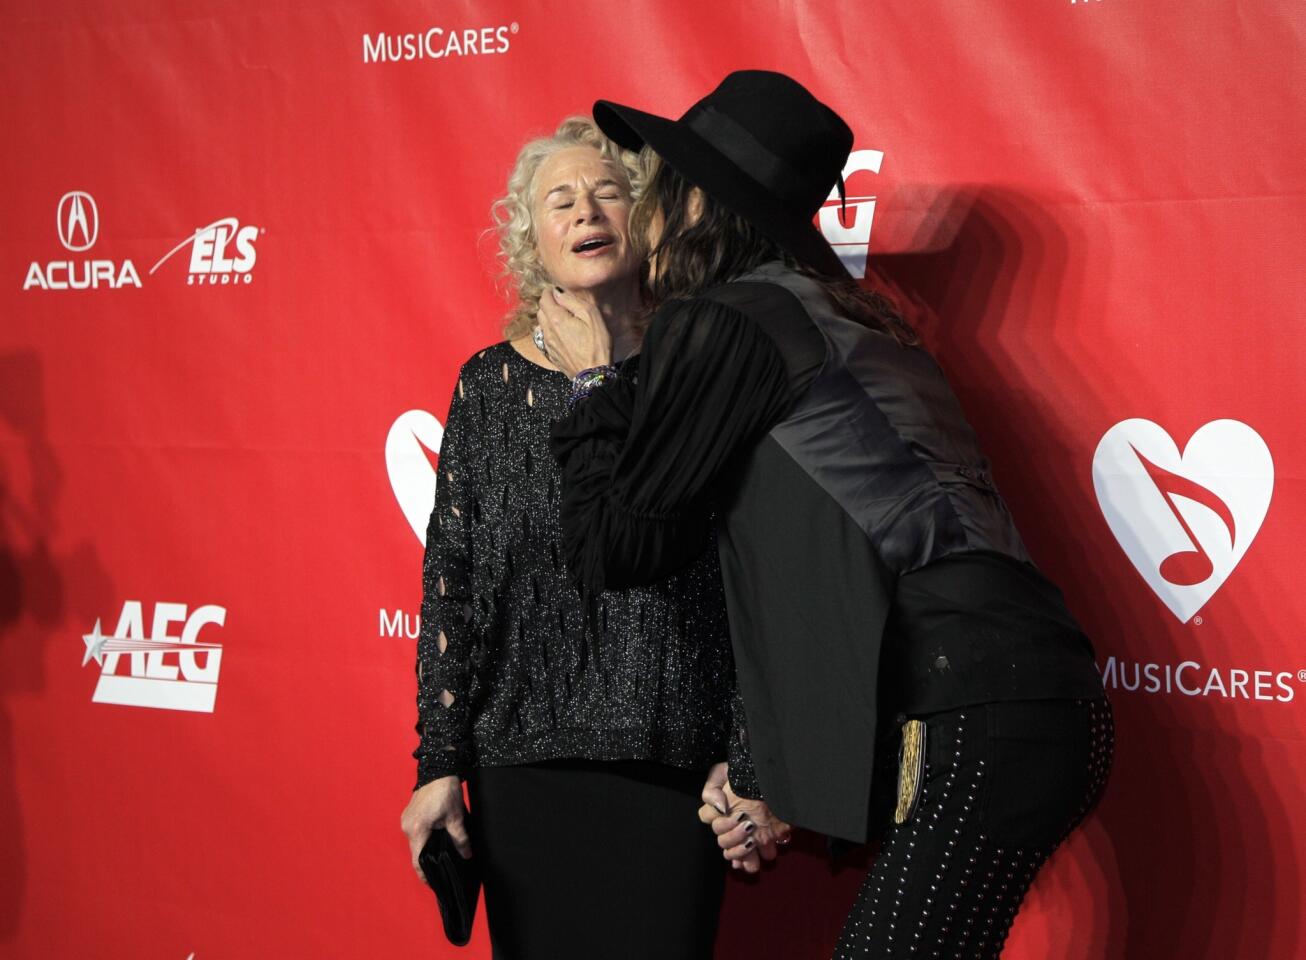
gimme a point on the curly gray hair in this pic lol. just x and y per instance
(513, 213)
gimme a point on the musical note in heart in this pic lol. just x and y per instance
(1187, 567)
(1185, 520)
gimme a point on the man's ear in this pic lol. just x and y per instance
(694, 210)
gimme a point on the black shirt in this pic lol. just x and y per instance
(510, 669)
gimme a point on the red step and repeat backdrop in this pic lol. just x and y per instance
(244, 252)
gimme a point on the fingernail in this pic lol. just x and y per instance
(748, 844)
(749, 827)
(741, 817)
(559, 289)
(719, 809)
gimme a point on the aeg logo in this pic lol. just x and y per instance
(1184, 520)
(852, 241)
(77, 219)
(164, 671)
(413, 439)
(210, 258)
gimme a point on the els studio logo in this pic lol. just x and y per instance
(852, 240)
(212, 260)
(1185, 520)
(77, 220)
(164, 671)
(412, 449)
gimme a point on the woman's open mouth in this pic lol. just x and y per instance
(593, 245)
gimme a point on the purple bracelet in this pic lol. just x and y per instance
(583, 384)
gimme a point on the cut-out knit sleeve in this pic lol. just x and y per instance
(446, 641)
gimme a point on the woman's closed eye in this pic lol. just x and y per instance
(608, 197)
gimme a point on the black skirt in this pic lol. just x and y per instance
(589, 859)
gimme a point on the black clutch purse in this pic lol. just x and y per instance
(456, 882)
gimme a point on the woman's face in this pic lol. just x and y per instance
(581, 209)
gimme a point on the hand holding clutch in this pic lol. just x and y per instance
(435, 822)
(456, 882)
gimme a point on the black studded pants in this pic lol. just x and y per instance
(1004, 784)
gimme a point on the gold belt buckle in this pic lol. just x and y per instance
(911, 767)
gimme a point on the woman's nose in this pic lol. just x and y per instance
(587, 211)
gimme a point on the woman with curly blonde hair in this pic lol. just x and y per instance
(570, 722)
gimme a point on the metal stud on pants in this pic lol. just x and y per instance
(940, 888)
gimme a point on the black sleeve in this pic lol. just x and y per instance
(446, 640)
(739, 756)
(641, 460)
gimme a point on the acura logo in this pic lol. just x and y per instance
(79, 221)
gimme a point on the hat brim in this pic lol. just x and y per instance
(707, 168)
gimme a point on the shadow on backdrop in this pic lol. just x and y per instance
(34, 603)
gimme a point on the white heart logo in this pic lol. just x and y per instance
(412, 475)
(1184, 520)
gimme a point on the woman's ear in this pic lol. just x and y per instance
(694, 209)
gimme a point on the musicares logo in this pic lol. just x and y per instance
(413, 440)
(1185, 520)
(412, 449)
(439, 43)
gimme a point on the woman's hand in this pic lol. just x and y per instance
(574, 332)
(746, 830)
(438, 804)
(750, 833)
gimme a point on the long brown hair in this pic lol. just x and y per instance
(722, 246)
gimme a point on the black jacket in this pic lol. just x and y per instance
(839, 465)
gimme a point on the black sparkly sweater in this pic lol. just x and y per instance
(510, 669)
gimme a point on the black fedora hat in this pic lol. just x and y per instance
(759, 143)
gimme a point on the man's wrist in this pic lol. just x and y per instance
(588, 380)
